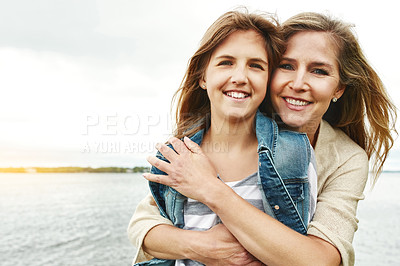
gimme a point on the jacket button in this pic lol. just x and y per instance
(276, 207)
(259, 163)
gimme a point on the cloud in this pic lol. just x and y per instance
(62, 61)
(59, 26)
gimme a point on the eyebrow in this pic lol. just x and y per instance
(314, 63)
(253, 59)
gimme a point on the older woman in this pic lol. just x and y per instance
(325, 88)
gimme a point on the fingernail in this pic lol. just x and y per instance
(145, 175)
(158, 146)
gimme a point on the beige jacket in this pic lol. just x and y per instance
(342, 168)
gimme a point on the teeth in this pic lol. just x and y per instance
(296, 102)
(237, 95)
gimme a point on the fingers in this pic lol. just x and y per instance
(178, 145)
(161, 179)
(166, 151)
(192, 146)
(169, 153)
(159, 164)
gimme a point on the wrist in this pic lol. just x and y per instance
(217, 196)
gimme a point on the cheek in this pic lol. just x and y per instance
(259, 84)
(273, 94)
(274, 86)
(325, 93)
(263, 84)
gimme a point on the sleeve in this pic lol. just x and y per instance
(146, 216)
(335, 216)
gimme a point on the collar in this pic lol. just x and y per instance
(198, 137)
(266, 132)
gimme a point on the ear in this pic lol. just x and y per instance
(202, 84)
(339, 91)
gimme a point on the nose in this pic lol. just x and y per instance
(299, 81)
(239, 75)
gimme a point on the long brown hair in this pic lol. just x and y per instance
(193, 105)
(364, 112)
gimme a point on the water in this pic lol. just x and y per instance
(81, 219)
(377, 241)
(67, 219)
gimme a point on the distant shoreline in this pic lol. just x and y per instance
(72, 169)
(138, 169)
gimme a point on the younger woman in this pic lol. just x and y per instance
(224, 86)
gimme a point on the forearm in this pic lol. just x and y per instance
(216, 246)
(146, 216)
(155, 235)
(167, 242)
(266, 238)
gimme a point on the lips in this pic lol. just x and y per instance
(237, 94)
(296, 102)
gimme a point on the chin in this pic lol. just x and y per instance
(239, 116)
(293, 123)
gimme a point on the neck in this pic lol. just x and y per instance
(233, 134)
(313, 136)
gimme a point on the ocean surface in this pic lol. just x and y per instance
(81, 219)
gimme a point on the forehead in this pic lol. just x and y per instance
(312, 45)
(243, 42)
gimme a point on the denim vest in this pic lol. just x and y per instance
(284, 158)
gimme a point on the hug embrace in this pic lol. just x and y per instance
(301, 113)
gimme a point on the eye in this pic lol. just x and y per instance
(286, 66)
(255, 65)
(225, 63)
(319, 71)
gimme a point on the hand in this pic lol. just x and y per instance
(218, 246)
(190, 171)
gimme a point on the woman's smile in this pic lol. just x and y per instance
(296, 102)
(238, 95)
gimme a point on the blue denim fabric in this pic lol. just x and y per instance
(284, 158)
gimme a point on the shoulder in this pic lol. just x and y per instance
(334, 149)
(334, 138)
(341, 163)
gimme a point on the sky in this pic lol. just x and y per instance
(90, 83)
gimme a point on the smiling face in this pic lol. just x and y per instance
(236, 76)
(306, 81)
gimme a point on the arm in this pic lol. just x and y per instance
(216, 246)
(340, 189)
(264, 237)
(146, 217)
(154, 236)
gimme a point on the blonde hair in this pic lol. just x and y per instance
(193, 105)
(364, 112)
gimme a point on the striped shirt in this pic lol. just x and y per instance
(199, 217)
